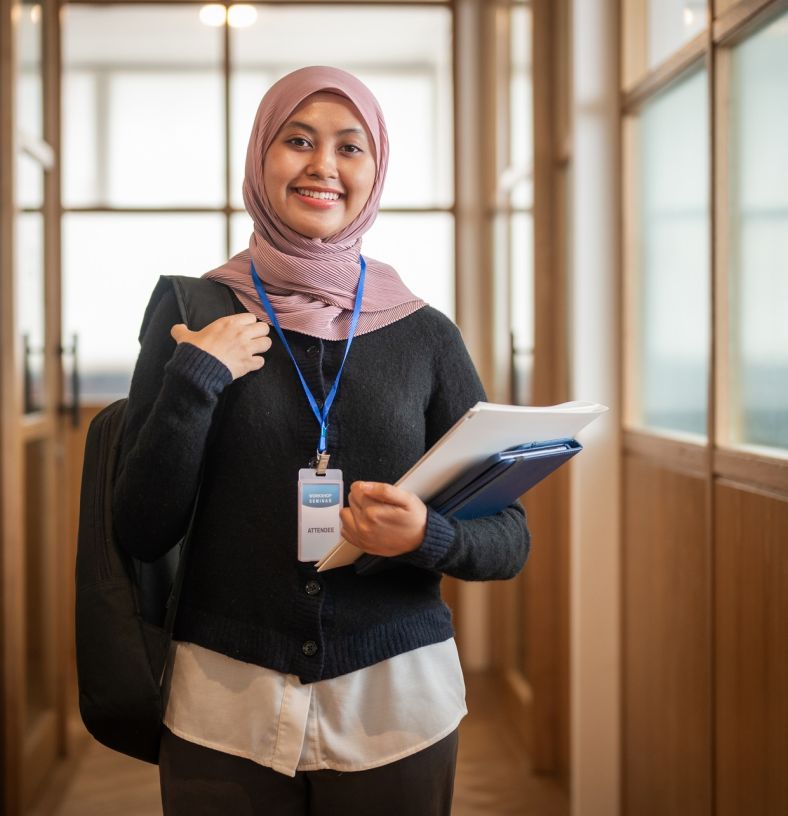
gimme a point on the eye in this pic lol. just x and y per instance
(351, 149)
(298, 141)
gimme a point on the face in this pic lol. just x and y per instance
(320, 168)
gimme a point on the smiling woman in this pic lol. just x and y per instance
(331, 692)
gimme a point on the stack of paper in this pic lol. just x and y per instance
(484, 430)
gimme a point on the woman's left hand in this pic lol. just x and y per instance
(383, 519)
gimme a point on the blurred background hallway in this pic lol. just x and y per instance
(600, 204)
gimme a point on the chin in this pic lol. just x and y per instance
(315, 231)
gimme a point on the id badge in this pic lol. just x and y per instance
(319, 502)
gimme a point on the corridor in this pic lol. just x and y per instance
(493, 774)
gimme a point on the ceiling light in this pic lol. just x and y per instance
(241, 16)
(213, 15)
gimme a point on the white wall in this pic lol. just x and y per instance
(595, 596)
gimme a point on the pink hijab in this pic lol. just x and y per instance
(312, 282)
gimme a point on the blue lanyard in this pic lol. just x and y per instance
(321, 416)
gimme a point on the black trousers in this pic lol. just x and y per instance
(198, 781)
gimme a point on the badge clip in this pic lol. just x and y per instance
(321, 463)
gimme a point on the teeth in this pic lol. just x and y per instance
(314, 194)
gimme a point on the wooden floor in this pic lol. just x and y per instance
(493, 775)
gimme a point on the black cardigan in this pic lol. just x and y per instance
(245, 594)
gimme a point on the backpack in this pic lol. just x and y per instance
(125, 609)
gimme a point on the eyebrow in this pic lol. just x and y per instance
(304, 126)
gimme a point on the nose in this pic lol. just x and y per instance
(323, 163)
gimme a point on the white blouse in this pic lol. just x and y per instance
(356, 721)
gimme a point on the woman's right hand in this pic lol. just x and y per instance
(236, 340)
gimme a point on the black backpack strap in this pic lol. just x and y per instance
(200, 300)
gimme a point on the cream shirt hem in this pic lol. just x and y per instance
(349, 768)
(353, 722)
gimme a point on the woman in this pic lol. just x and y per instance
(293, 692)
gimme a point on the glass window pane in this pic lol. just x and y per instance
(165, 144)
(672, 320)
(29, 98)
(409, 70)
(759, 239)
(143, 107)
(29, 182)
(80, 172)
(420, 246)
(521, 108)
(521, 278)
(106, 290)
(671, 23)
(30, 305)
(240, 231)
(246, 90)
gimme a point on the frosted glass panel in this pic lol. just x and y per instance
(246, 89)
(759, 231)
(30, 305)
(674, 306)
(522, 306)
(83, 169)
(421, 248)
(411, 78)
(671, 23)
(143, 107)
(521, 109)
(111, 263)
(29, 182)
(165, 142)
(29, 97)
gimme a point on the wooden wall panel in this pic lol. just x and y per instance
(751, 566)
(545, 615)
(666, 642)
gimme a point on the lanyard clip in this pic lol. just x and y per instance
(322, 463)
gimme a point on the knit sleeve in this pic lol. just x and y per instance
(492, 547)
(174, 392)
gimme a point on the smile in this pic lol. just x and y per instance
(318, 195)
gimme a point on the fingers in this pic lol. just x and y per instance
(242, 318)
(179, 332)
(255, 329)
(383, 519)
(372, 504)
(367, 493)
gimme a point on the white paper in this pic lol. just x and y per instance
(485, 429)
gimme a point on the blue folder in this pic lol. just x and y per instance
(492, 485)
(502, 478)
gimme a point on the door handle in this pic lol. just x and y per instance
(72, 407)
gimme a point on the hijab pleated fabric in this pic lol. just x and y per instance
(312, 282)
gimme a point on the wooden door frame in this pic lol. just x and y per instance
(538, 703)
(28, 755)
(10, 450)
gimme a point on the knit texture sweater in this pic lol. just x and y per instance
(245, 594)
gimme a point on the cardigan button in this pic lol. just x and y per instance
(312, 587)
(309, 648)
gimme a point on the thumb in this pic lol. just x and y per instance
(179, 332)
